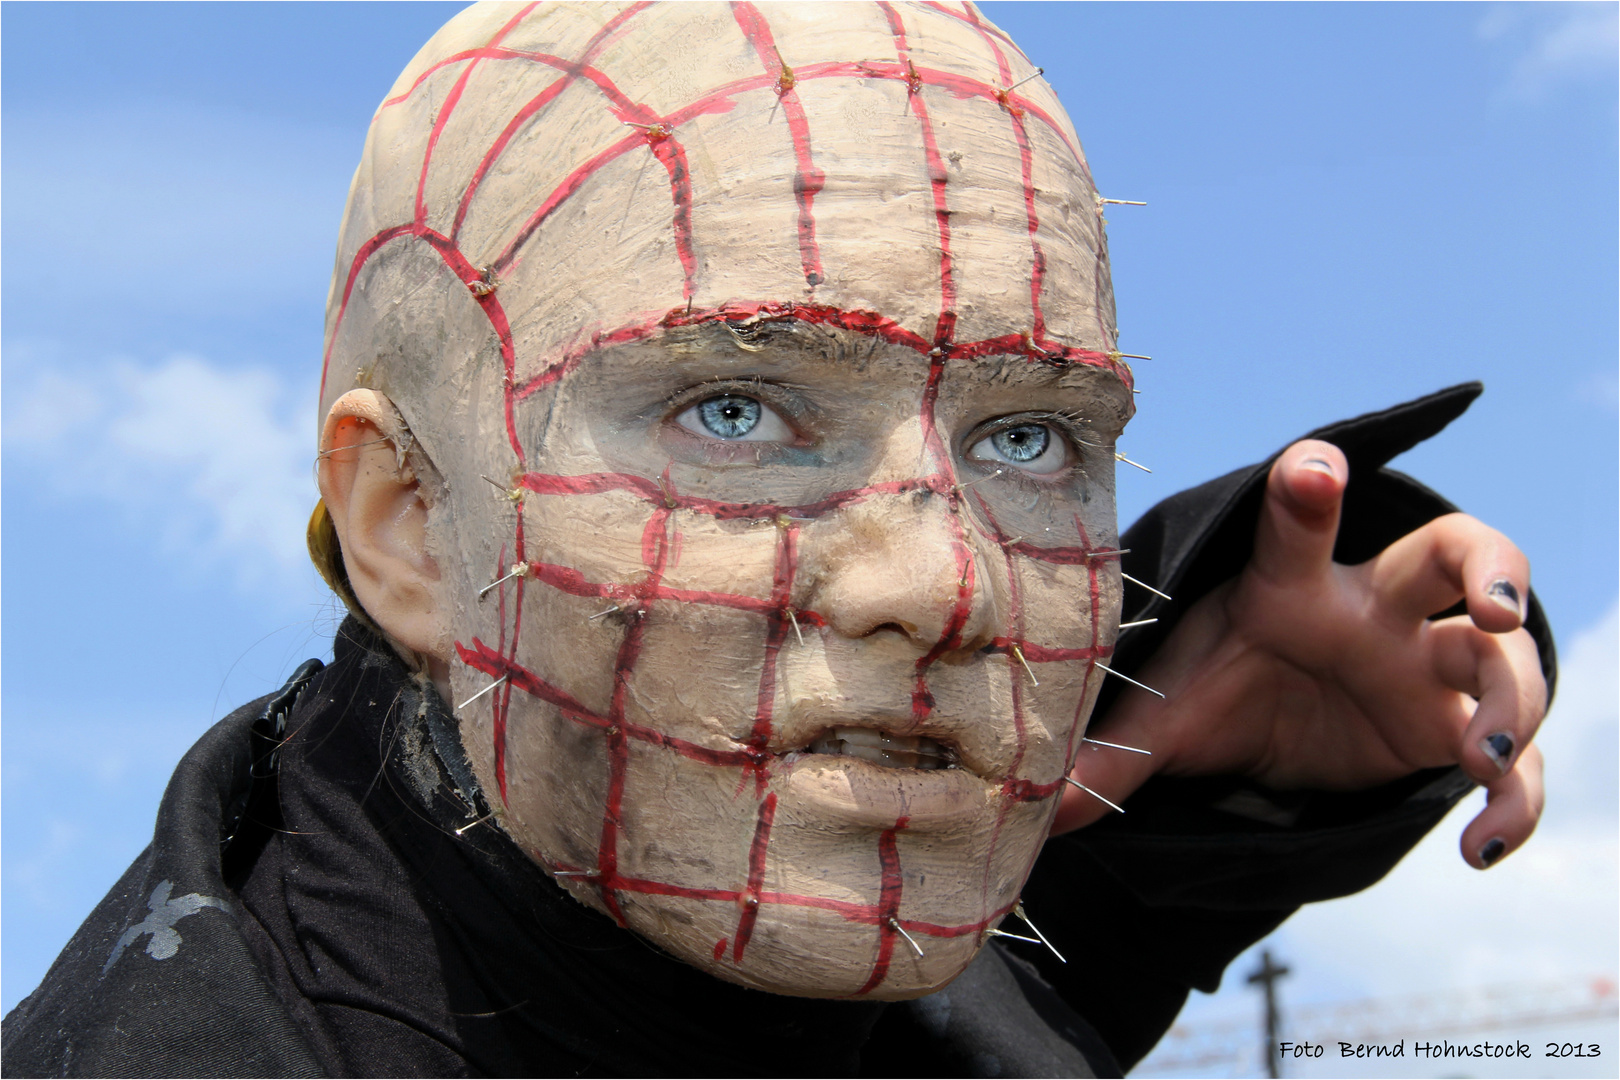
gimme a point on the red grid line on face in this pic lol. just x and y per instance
(756, 876)
(657, 540)
(888, 906)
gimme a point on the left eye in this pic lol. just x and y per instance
(1032, 448)
(735, 418)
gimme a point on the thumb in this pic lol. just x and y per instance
(1110, 766)
(1299, 520)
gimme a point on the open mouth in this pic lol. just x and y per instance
(880, 748)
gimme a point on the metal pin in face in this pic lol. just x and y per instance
(518, 570)
(959, 487)
(909, 939)
(470, 824)
(1138, 622)
(1038, 73)
(577, 873)
(609, 611)
(1103, 554)
(1129, 356)
(1145, 585)
(1127, 678)
(1122, 202)
(1121, 457)
(1114, 745)
(994, 932)
(1018, 910)
(1016, 651)
(794, 619)
(482, 692)
(1093, 794)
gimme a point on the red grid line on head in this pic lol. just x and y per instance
(571, 72)
(945, 327)
(658, 543)
(809, 179)
(449, 107)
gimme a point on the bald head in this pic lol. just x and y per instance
(720, 403)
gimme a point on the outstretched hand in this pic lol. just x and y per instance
(1305, 673)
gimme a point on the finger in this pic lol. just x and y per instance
(1108, 775)
(1449, 559)
(1504, 672)
(1512, 808)
(1299, 520)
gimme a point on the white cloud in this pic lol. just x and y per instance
(199, 457)
(1554, 43)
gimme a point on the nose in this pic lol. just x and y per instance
(906, 563)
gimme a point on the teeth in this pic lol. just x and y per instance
(894, 751)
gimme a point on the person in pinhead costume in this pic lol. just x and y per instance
(718, 415)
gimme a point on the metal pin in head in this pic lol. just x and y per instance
(1016, 651)
(470, 824)
(515, 494)
(600, 614)
(518, 570)
(1128, 356)
(577, 873)
(351, 446)
(894, 922)
(482, 692)
(1038, 73)
(1128, 679)
(1018, 910)
(795, 620)
(1121, 457)
(1105, 554)
(1122, 202)
(1113, 745)
(994, 932)
(1145, 585)
(1138, 622)
(1094, 795)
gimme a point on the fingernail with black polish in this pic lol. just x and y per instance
(1499, 748)
(1504, 592)
(1491, 851)
(1318, 465)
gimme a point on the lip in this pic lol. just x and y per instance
(868, 795)
(973, 746)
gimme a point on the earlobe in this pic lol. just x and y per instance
(378, 509)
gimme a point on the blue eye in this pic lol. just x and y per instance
(729, 417)
(735, 418)
(1030, 448)
(1022, 444)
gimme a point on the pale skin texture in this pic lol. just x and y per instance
(693, 608)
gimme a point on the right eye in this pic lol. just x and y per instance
(735, 418)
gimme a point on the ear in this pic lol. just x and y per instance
(377, 508)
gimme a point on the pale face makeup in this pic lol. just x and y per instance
(802, 710)
(787, 413)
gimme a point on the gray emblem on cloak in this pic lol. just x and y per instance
(160, 923)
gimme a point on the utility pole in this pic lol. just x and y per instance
(1266, 975)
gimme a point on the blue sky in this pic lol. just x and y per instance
(1349, 205)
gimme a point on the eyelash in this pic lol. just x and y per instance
(1068, 428)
